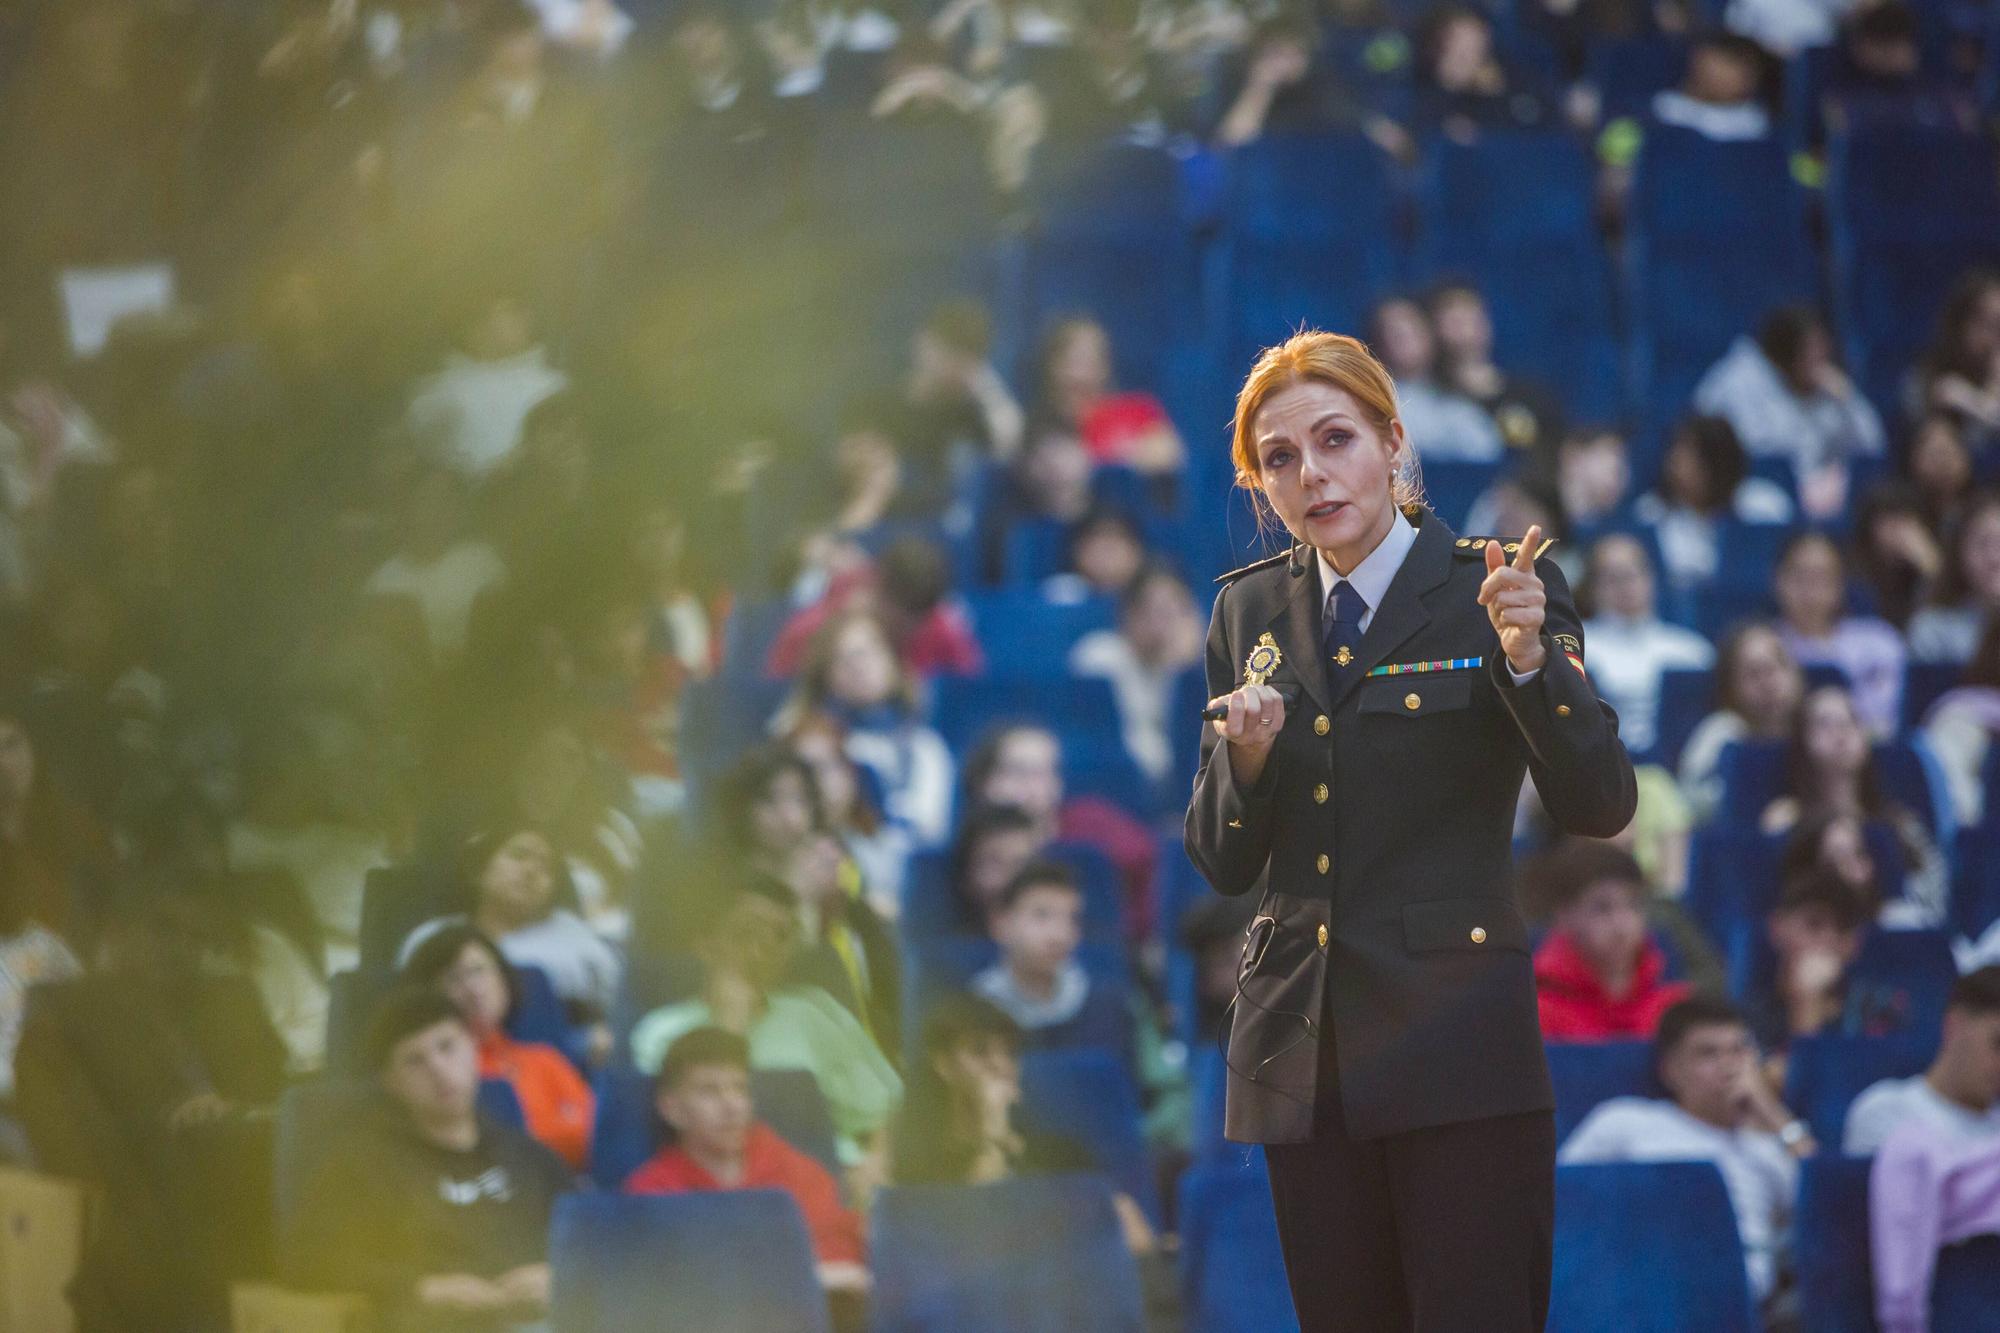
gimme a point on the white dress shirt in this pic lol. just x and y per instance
(1377, 570)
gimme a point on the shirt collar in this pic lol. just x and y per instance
(1371, 578)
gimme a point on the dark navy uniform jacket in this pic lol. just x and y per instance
(1380, 835)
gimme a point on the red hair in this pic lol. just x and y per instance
(1334, 359)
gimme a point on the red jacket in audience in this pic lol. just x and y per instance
(1575, 1007)
(769, 1163)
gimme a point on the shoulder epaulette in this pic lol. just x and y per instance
(1265, 563)
(1474, 548)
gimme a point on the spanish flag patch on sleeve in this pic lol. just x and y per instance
(1572, 648)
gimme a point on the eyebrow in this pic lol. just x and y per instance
(1325, 418)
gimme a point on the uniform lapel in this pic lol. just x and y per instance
(1402, 612)
(1296, 627)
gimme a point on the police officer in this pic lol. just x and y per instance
(1379, 691)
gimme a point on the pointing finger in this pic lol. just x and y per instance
(1525, 561)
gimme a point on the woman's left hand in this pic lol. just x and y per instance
(1514, 598)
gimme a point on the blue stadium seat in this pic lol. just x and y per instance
(1515, 213)
(1924, 683)
(1896, 253)
(1308, 237)
(1451, 488)
(1823, 1075)
(1089, 1097)
(1647, 1248)
(737, 1261)
(628, 1129)
(1686, 697)
(1717, 239)
(1081, 712)
(1830, 1239)
(1232, 1272)
(1024, 634)
(1114, 243)
(1732, 875)
(1628, 71)
(1038, 1255)
(1965, 1294)
(1975, 899)
(943, 966)
(1587, 1073)
(499, 1103)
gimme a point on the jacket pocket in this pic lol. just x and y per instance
(1418, 694)
(1470, 924)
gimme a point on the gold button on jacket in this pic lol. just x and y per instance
(1479, 934)
(1322, 937)
(1410, 701)
(1562, 710)
(1320, 794)
(1322, 724)
(1324, 863)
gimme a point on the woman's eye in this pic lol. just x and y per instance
(1279, 459)
(1339, 437)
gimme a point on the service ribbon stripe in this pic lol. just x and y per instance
(1449, 664)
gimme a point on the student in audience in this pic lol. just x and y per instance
(1106, 552)
(959, 1126)
(1718, 1109)
(1786, 395)
(468, 969)
(1039, 982)
(473, 407)
(909, 587)
(1633, 646)
(437, 1214)
(852, 672)
(1758, 688)
(1829, 767)
(1705, 483)
(1593, 472)
(1815, 932)
(1959, 373)
(1051, 481)
(1159, 636)
(877, 852)
(1280, 84)
(1963, 725)
(1462, 85)
(1834, 842)
(958, 407)
(1814, 622)
(1927, 1193)
(1021, 765)
(777, 832)
(1527, 414)
(1074, 375)
(1938, 458)
(510, 876)
(560, 785)
(1599, 975)
(1718, 96)
(994, 844)
(439, 573)
(1958, 1097)
(747, 946)
(703, 1095)
(1967, 595)
(1896, 557)
(1448, 426)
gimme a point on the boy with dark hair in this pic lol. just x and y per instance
(1958, 1097)
(1038, 981)
(437, 1214)
(1815, 932)
(703, 1094)
(1600, 976)
(1718, 1110)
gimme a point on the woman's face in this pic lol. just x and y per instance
(1161, 621)
(1463, 327)
(781, 817)
(1027, 773)
(1080, 371)
(994, 861)
(862, 673)
(1326, 469)
(1107, 557)
(518, 883)
(17, 762)
(1981, 559)
(832, 773)
(477, 989)
(1464, 48)
(1686, 475)
(1939, 461)
(1621, 580)
(1057, 470)
(1834, 740)
(1810, 595)
(1768, 682)
(1407, 347)
(977, 1063)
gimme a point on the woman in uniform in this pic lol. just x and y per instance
(1378, 691)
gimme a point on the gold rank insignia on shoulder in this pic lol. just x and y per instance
(1475, 547)
(1263, 660)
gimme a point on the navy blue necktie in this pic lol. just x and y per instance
(1343, 624)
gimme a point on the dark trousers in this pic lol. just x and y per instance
(1443, 1230)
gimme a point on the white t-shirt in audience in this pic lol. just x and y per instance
(1761, 1177)
(1894, 1101)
